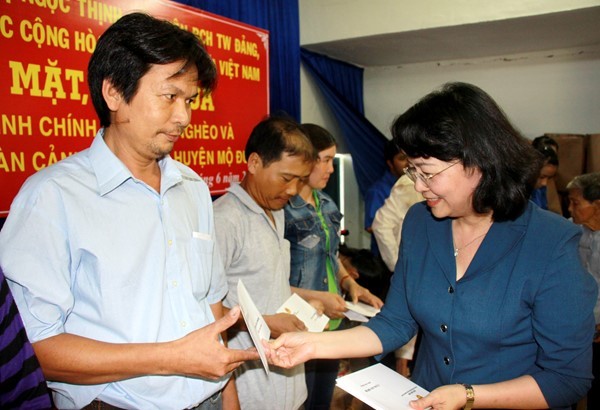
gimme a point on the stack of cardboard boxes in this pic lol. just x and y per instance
(577, 154)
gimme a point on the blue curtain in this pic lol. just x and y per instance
(281, 18)
(342, 86)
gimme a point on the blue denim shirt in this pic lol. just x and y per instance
(307, 241)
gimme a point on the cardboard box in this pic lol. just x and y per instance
(593, 154)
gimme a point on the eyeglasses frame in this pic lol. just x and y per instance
(413, 173)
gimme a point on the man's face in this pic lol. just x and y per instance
(272, 186)
(582, 210)
(149, 125)
(547, 173)
(398, 163)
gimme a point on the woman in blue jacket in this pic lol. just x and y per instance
(494, 282)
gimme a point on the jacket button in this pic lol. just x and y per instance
(450, 289)
(444, 328)
(325, 280)
(446, 360)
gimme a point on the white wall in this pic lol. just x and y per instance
(551, 92)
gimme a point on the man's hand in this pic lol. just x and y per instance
(75, 359)
(283, 322)
(200, 354)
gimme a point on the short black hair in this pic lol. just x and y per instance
(462, 122)
(276, 135)
(544, 141)
(390, 150)
(548, 151)
(128, 49)
(589, 184)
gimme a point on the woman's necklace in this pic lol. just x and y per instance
(458, 249)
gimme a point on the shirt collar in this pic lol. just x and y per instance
(111, 172)
(245, 198)
(297, 202)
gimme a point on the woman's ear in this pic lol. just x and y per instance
(111, 95)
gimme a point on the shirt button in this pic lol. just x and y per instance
(450, 289)
(170, 242)
(183, 323)
(325, 280)
(444, 328)
(446, 360)
(174, 283)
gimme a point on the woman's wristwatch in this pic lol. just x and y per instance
(470, 396)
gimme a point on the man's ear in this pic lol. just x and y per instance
(254, 163)
(111, 95)
(390, 165)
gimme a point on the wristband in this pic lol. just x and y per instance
(470, 396)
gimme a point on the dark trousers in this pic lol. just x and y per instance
(320, 381)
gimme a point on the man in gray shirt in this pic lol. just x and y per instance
(249, 225)
(584, 206)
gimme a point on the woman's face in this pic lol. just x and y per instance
(449, 186)
(582, 210)
(547, 172)
(322, 169)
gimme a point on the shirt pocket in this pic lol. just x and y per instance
(201, 249)
(306, 233)
(336, 218)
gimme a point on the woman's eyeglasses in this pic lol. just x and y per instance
(414, 174)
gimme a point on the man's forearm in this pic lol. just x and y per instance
(74, 359)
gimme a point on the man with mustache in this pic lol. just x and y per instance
(110, 253)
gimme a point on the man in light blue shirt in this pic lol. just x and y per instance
(111, 252)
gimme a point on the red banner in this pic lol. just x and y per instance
(46, 113)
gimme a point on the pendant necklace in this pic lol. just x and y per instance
(456, 250)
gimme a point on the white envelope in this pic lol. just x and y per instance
(362, 308)
(304, 311)
(257, 327)
(381, 388)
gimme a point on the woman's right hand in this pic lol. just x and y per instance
(290, 349)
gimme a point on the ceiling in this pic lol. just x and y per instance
(565, 30)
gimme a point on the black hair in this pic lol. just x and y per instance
(276, 135)
(589, 184)
(390, 150)
(543, 142)
(549, 155)
(319, 137)
(127, 50)
(462, 122)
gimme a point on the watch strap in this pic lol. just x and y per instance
(470, 396)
